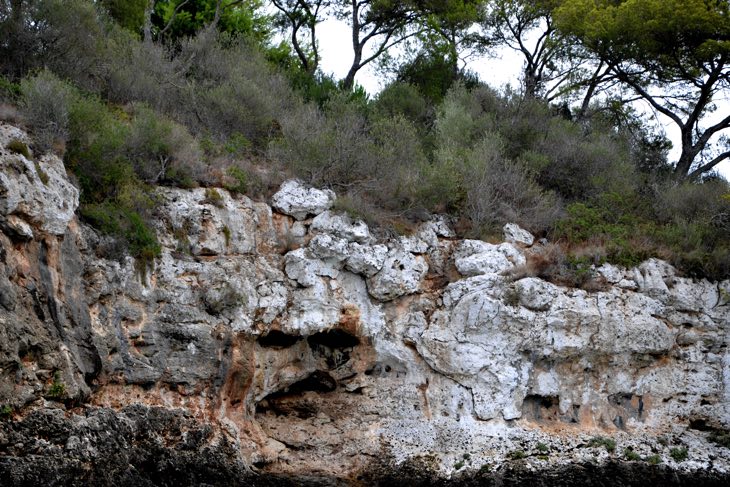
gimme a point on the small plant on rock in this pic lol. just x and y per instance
(19, 147)
(42, 175)
(608, 443)
(58, 388)
(213, 197)
(543, 448)
(517, 455)
(631, 455)
(654, 459)
(5, 412)
(679, 453)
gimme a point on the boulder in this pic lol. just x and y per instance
(513, 233)
(299, 201)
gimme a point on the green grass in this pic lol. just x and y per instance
(679, 454)
(600, 441)
(19, 147)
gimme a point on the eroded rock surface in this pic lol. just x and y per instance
(268, 346)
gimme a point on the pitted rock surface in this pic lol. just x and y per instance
(307, 351)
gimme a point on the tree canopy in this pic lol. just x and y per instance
(673, 54)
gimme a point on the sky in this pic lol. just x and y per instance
(501, 69)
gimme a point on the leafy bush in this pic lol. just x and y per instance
(631, 455)
(160, 150)
(127, 224)
(679, 454)
(600, 441)
(19, 147)
(403, 99)
(45, 104)
(58, 388)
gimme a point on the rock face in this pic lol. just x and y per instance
(271, 347)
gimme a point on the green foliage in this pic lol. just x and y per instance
(516, 455)
(130, 14)
(679, 454)
(159, 149)
(240, 180)
(660, 46)
(459, 465)
(6, 412)
(631, 455)
(721, 438)
(403, 99)
(213, 197)
(45, 103)
(244, 18)
(9, 91)
(237, 144)
(654, 459)
(19, 147)
(114, 219)
(42, 175)
(227, 235)
(600, 441)
(58, 388)
(543, 448)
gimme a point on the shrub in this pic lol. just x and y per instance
(58, 388)
(329, 149)
(240, 180)
(6, 412)
(42, 175)
(19, 147)
(679, 454)
(654, 459)
(631, 455)
(404, 100)
(160, 149)
(45, 105)
(9, 91)
(517, 455)
(599, 441)
(114, 219)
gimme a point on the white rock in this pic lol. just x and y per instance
(299, 201)
(20, 227)
(474, 257)
(651, 277)
(273, 297)
(222, 227)
(610, 273)
(38, 192)
(424, 239)
(401, 274)
(365, 259)
(536, 294)
(329, 248)
(341, 225)
(513, 233)
(304, 268)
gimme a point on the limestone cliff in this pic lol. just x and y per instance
(285, 343)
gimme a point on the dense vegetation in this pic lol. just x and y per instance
(140, 93)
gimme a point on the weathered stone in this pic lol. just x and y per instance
(38, 191)
(515, 234)
(342, 226)
(365, 259)
(305, 356)
(401, 274)
(299, 201)
(474, 257)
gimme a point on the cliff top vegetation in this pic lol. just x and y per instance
(225, 93)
